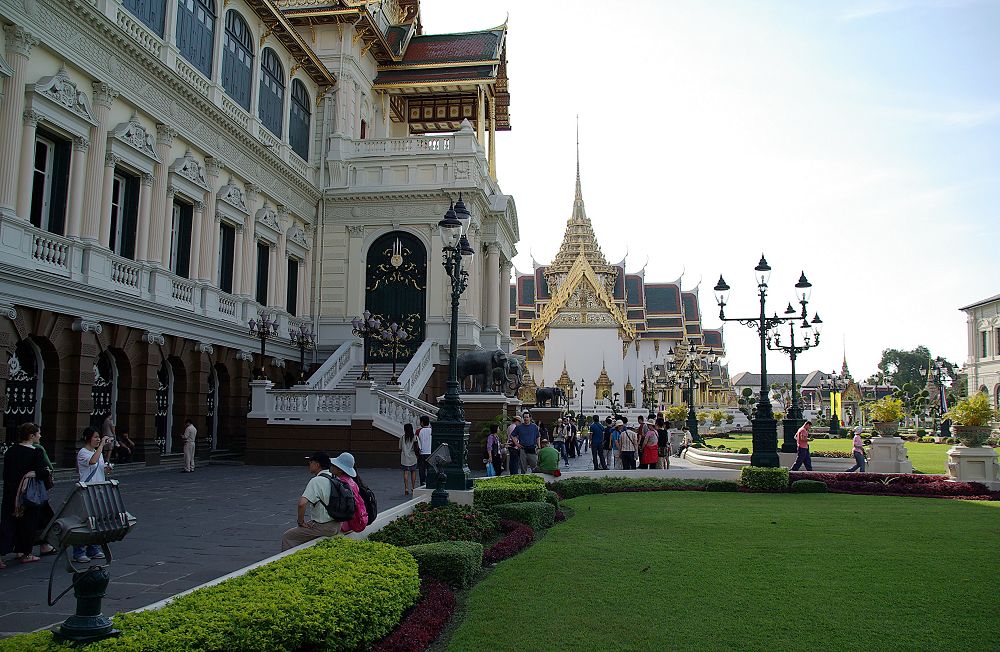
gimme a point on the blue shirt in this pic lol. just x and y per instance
(616, 435)
(596, 434)
(527, 434)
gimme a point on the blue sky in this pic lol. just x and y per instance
(858, 141)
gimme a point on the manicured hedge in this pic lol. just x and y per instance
(762, 478)
(552, 498)
(518, 537)
(808, 487)
(427, 524)
(453, 562)
(423, 625)
(536, 515)
(880, 478)
(337, 595)
(722, 485)
(573, 487)
(509, 489)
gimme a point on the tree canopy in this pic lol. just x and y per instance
(900, 367)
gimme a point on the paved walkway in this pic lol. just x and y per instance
(192, 528)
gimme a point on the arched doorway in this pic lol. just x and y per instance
(104, 390)
(212, 408)
(396, 291)
(24, 389)
(164, 407)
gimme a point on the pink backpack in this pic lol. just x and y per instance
(360, 519)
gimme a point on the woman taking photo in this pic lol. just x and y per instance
(91, 466)
(21, 521)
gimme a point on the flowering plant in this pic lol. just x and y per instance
(886, 409)
(973, 411)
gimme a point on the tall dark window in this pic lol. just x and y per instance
(263, 262)
(124, 213)
(180, 239)
(298, 122)
(271, 103)
(292, 290)
(227, 250)
(237, 59)
(150, 12)
(50, 182)
(983, 343)
(196, 32)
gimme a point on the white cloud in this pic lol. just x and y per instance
(871, 9)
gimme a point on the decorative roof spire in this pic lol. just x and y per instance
(579, 212)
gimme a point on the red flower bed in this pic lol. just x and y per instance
(940, 488)
(424, 623)
(878, 478)
(519, 536)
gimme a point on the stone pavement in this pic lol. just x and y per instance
(192, 528)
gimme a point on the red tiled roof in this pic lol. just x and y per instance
(451, 48)
(435, 75)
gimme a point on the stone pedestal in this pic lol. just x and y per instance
(976, 464)
(547, 415)
(480, 412)
(888, 455)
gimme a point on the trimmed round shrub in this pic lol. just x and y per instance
(454, 562)
(809, 487)
(722, 485)
(536, 515)
(744, 451)
(573, 487)
(508, 489)
(762, 478)
(552, 498)
(428, 524)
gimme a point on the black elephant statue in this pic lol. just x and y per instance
(552, 396)
(513, 378)
(480, 366)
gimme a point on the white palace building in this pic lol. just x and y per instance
(173, 170)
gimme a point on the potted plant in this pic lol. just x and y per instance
(885, 414)
(971, 419)
(676, 414)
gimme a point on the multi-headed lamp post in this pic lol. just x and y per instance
(265, 327)
(765, 429)
(394, 334)
(691, 364)
(451, 427)
(367, 327)
(302, 338)
(793, 420)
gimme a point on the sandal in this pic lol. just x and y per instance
(45, 553)
(27, 559)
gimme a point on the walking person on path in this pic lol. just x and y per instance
(802, 440)
(408, 458)
(190, 436)
(493, 449)
(424, 441)
(91, 466)
(597, 435)
(313, 521)
(20, 520)
(663, 443)
(859, 452)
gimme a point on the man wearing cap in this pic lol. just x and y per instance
(313, 521)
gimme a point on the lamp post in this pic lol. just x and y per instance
(690, 364)
(451, 427)
(394, 334)
(263, 328)
(793, 420)
(582, 385)
(302, 338)
(832, 383)
(935, 374)
(765, 429)
(367, 326)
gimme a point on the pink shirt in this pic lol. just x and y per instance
(802, 437)
(859, 445)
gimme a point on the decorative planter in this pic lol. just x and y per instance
(886, 428)
(971, 436)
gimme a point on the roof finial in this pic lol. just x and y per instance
(579, 213)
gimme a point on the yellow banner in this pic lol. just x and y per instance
(835, 405)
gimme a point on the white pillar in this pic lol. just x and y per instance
(281, 262)
(238, 261)
(161, 202)
(272, 263)
(493, 285)
(27, 163)
(77, 176)
(209, 227)
(305, 281)
(197, 218)
(355, 267)
(145, 215)
(250, 243)
(97, 205)
(504, 307)
(18, 42)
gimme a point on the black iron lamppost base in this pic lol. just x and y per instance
(88, 624)
(456, 435)
(765, 442)
(834, 425)
(439, 498)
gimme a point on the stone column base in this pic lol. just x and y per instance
(976, 464)
(888, 455)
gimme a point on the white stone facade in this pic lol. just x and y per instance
(983, 362)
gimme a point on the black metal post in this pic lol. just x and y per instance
(692, 419)
(263, 340)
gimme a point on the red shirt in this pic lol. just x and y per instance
(802, 437)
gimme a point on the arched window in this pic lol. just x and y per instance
(196, 32)
(150, 12)
(271, 103)
(237, 59)
(298, 122)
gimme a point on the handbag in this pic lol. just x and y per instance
(490, 471)
(35, 493)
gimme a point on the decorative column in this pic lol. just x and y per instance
(281, 264)
(197, 219)
(145, 215)
(355, 270)
(77, 177)
(160, 202)
(107, 190)
(305, 278)
(504, 307)
(272, 281)
(480, 115)
(493, 285)
(18, 43)
(210, 225)
(27, 163)
(238, 261)
(250, 242)
(96, 204)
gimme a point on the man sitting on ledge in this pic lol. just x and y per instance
(548, 459)
(313, 519)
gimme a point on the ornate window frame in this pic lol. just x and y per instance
(187, 178)
(59, 102)
(267, 224)
(134, 145)
(297, 241)
(231, 206)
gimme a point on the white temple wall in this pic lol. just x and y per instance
(584, 350)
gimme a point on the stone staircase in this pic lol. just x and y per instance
(380, 374)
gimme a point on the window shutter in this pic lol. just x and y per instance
(184, 241)
(130, 216)
(60, 186)
(226, 253)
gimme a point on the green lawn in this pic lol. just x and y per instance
(927, 458)
(698, 571)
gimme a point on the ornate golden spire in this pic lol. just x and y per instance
(603, 384)
(565, 383)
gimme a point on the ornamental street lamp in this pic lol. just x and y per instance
(936, 373)
(367, 327)
(765, 429)
(394, 334)
(793, 420)
(692, 364)
(832, 383)
(265, 327)
(582, 385)
(302, 338)
(451, 427)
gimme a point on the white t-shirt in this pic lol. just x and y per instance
(85, 468)
(317, 494)
(424, 436)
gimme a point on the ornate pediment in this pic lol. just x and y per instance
(133, 134)
(233, 195)
(61, 90)
(191, 169)
(268, 217)
(297, 235)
